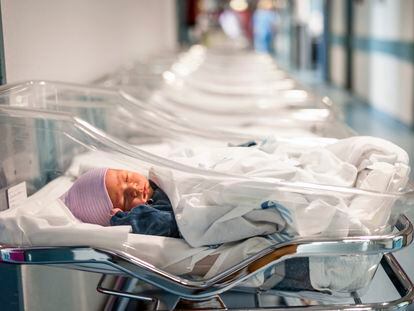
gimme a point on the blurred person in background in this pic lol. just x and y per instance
(264, 26)
(236, 21)
(231, 24)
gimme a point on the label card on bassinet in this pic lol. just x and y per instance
(16, 195)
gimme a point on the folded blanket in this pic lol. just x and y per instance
(211, 211)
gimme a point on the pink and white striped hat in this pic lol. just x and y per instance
(88, 199)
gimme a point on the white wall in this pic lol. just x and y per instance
(79, 41)
(385, 19)
(384, 80)
(337, 65)
(337, 17)
(337, 55)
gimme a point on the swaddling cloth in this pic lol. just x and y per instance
(212, 211)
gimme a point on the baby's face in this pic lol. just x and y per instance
(127, 189)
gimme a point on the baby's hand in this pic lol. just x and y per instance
(115, 210)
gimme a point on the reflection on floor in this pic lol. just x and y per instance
(368, 121)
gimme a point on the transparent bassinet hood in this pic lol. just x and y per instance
(48, 141)
(246, 84)
(42, 145)
(131, 119)
(76, 112)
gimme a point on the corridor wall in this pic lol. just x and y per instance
(382, 47)
(383, 53)
(337, 43)
(79, 41)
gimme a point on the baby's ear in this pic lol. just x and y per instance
(115, 210)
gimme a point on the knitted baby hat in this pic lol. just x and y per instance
(88, 199)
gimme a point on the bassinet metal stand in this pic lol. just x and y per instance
(185, 293)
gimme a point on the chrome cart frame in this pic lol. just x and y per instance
(206, 294)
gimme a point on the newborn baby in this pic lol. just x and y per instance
(116, 197)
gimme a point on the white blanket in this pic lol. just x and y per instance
(211, 211)
(43, 220)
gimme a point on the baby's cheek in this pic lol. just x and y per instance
(116, 203)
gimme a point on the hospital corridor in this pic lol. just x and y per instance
(206, 155)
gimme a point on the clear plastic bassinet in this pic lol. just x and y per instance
(137, 122)
(247, 74)
(45, 146)
(241, 101)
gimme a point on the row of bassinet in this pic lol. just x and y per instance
(200, 96)
(246, 93)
